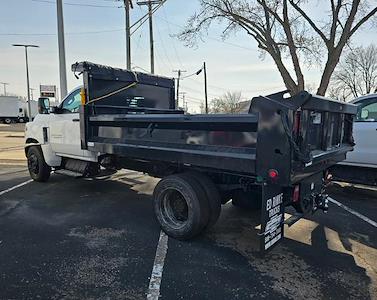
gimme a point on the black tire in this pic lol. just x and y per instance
(7, 121)
(38, 169)
(247, 200)
(21, 120)
(213, 196)
(180, 206)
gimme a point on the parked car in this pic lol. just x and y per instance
(361, 164)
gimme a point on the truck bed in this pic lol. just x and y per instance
(297, 136)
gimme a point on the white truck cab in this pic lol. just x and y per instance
(365, 133)
(361, 164)
(55, 134)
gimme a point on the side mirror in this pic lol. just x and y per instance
(364, 114)
(55, 110)
(43, 105)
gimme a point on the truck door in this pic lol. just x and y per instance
(65, 127)
(365, 134)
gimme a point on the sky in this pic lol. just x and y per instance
(94, 31)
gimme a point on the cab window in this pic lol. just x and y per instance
(72, 103)
(367, 112)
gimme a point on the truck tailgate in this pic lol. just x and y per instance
(317, 130)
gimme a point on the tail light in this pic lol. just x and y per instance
(296, 194)
(273, 174)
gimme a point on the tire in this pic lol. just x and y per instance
(251, 201)
(21, 120)
(7, 121)
(38, 169)
(212, 194)
(180, 206)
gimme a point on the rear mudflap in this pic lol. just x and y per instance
(274, 200)
(272, 216)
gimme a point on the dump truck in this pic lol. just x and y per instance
(273, 155)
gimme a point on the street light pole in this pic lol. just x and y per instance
(5, 87)
(61, 44)
(27, 76)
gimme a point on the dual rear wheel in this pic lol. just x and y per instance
(186, 204)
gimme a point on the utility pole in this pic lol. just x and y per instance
(27, 76)
(183, 94)
(127, 5)
(178, 82)
(61, 44)
(205, 86)
(31, 94)
(150, 4)
(5, 87)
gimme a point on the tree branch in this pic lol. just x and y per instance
(310, 21)
(363, 20)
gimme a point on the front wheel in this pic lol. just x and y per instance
(38, 169)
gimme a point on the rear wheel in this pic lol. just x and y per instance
(7, 121)
(213, 196)
(38, 169)
(180, 206)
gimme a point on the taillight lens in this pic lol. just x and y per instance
(296, 193)
(273, 174)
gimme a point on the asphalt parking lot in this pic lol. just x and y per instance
(98, 239)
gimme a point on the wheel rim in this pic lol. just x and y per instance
(8, 121)
(174, 209)
(33, 164)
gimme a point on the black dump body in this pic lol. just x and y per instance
(275, 154)
(133, 115)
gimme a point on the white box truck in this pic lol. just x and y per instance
(34, 109)
(11, 110)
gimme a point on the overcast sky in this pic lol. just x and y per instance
(95, 32)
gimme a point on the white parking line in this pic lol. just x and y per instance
(355, 213)
(15, 187)
(158, 267)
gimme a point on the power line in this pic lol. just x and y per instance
(163, 47)
(171, 36)
(212, 38)
(68, 33)
(79, 4)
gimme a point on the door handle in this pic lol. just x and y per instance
(76, 120)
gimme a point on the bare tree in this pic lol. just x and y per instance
(286, 31)
(356, 74)
(227, 103)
